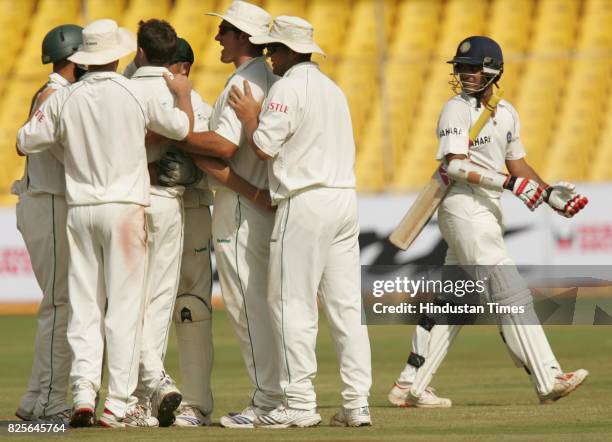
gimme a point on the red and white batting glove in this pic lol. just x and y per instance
(529, 191)
(564, 200)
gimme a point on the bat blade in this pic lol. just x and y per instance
(435, 190)
(421, 210)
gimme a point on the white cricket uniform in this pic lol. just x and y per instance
(41, 219)
(193, 307)
(100, 122)
(165, 222)
(241, 235)
(471, 222)
(305, 125)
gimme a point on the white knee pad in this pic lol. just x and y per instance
(441, 337)
(420, 347)
(193, 321)
(522, 331)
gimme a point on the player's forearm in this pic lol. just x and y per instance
(183, 102)
(208, 143)
(224, 174)
(523, 169)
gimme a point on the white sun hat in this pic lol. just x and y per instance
(293, 32)
(250, 19)
(103, 42)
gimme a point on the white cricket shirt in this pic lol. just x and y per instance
(305, 125)
(153, 78)
(498, 141)
(224, 121)
(101, 122)
(44, 173)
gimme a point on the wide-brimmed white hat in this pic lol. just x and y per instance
(294, 32)
(250, 19)
(103, 42)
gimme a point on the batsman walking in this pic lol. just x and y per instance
(470, 220)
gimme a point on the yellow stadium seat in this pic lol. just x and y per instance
(97, 9)
(285, 7)
(329, 34)
(413, 36)
(138, 10)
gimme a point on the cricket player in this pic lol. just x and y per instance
(41, 194)
(157, 45)
(305, 135)
(241, 229)
(100, 124)
(470, 220)
(193, 307)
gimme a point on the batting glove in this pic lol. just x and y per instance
(178, 169)
(564, 200)
(529, 191)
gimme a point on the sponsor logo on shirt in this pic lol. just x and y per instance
(451, 131)
(278, 107)
(508, 137)
(480, 141)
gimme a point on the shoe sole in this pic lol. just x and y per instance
(228, 422)
(566, 393)
(23, 416)
(406, 405)
(397, 401)
(305, 422)
(336, 423)
(165, 412)
(82, 417)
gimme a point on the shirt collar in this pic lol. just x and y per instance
(102, 75)
(300, 66)
(54, 77)
(243, 66)
(150, 71)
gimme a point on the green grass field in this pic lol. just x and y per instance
(491, 398)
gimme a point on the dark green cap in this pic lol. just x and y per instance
(61, 42)
(183, 51)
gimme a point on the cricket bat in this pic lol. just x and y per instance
(430, 197)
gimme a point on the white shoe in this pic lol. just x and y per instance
(352, 417)
(190, 416)
(565, 383)
(283, 417)
(165, 400)
(245, 418)
(403, 397)
(59, 418)
(144, 409)
(133, 418)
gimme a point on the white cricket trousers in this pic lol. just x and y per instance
(164, 218)
(106, 281)
(315, 249)
(241, 234)
(472, 226)
(41, 219)
(193, 310)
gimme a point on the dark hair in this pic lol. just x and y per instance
(158, 40)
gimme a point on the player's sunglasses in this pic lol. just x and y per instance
(224, 29)
(273, 47)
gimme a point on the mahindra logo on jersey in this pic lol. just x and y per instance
(278, 107)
